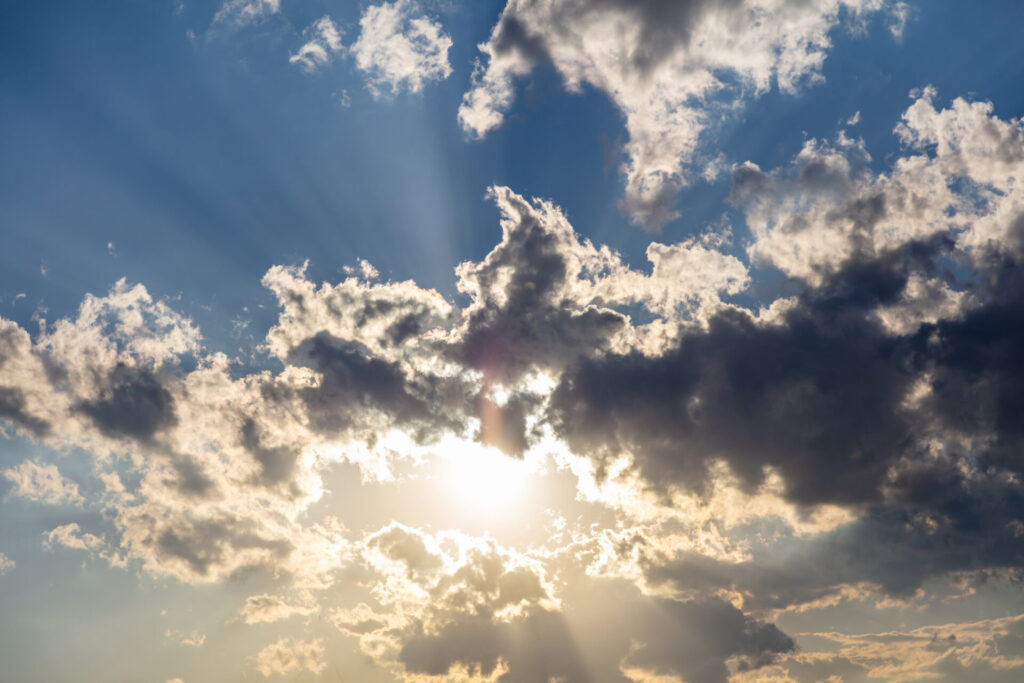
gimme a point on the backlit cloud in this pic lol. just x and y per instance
(287, 655)
(830, 447)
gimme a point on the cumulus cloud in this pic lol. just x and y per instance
(400, 48)
(43, 484)
(461, 606)
(670, 67)
(322, 45)
(960, 179)
(865, 364)
(858, 437)
(6, 564)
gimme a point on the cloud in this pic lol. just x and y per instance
(12, 407)
(243, 12)
(773, 393)
(670, 67)
(132, 402)
(324, 42)
(43, 484)
(900, 14)
(983, 650)
(288, 655)
(71, 536)
(400, 48)
(875, 407)
(193, 639)
(467, 606)
(959, 179)
(6, 564)
(754, 395)
(265, 609)
(891, 549)
(690, 640)
(544, 298)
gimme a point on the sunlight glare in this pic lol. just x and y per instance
(482, 479)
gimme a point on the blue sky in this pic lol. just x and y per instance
(216, 158)
(718, 404)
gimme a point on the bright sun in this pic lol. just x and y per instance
(482, 479)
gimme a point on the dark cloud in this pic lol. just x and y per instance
(822, 396)
(524, 316)
(202, 548)
(818, 397)
(12, 407)
(977, 369)
(356, 385)
(190, 478)
(277, 464)
(408, 547)
(939, 523)
(664, 27)
(540, 648)
(132, 403)
(706, 633)
(693, 640)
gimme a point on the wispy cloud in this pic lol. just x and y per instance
(243, 12)
(323, 44)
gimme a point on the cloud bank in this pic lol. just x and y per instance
(871, 420)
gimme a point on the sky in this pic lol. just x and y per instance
(525, 340)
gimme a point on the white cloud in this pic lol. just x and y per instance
(6, 564)
(324, 42)
(960, 176)
(401, 49)
(43, 484)
(670, 67)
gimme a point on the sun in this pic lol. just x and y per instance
(482, 479)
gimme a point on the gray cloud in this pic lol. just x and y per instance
(693, 640)
(131, 403)
(12, 407)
